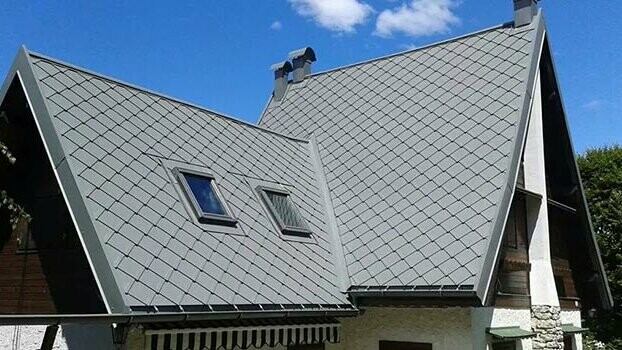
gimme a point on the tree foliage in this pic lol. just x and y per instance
(601, 171)
(16, 212)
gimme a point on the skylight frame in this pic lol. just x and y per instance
(295, 231)
(204, 217)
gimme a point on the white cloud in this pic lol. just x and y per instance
(419, 18)
(336, 15)
(276, 25)
(594, 104)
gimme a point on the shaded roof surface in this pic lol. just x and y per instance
(416, 149)
(119, 142)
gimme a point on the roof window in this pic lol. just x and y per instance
(284, 212)
(206, 201)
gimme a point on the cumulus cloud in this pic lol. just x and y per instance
(418, 18)
(276, 25)
(336, 15)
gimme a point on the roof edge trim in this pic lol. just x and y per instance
(161, 95)
(484, 280)
(442, 42)
(102, 273)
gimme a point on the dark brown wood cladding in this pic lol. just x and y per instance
(45, 281)
(512, 301)
(53, 275)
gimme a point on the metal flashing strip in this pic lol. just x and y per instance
(242, 337)
(341, 269)
(509, 333)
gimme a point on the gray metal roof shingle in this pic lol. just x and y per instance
(416, 149)
(117, 139)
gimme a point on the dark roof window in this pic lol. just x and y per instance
(284, 212)
(201, 191)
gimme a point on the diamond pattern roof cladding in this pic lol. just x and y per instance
(115, 136)
(416, 148)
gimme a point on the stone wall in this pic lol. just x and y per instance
(546, 323)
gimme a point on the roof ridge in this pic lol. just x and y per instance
(162, 95)
(442, 42)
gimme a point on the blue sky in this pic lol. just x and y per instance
(217, 53)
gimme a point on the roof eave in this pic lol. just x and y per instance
(142, 318)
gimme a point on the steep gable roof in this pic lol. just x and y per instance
(115, 146)
(420, 152)
(404, 168)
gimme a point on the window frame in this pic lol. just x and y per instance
(203, 217)
(304, 232)
(391, 344)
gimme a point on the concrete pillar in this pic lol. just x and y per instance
(545, 311)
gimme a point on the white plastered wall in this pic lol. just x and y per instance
(490, 317)
(573, 317)
(70, 337)
(542, 286)
(445, 328)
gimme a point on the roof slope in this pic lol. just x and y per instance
(418, 149)
(119, 140)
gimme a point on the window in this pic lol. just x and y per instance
(516, 227)
(284, 212)
(204, 197)
(568, 340)
(306, 347)
(560, 286)
(397, 345)
(507, 345)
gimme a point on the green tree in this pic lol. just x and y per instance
(601, 171)
(16, 212)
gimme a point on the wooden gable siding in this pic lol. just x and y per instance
(54, 277)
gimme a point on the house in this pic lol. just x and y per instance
(424, 200)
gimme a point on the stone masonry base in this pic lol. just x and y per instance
(546, 323)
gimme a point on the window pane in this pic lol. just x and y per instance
(510, 345)
(306, 347)
(204, 194)
(286, 210)
(396, 345)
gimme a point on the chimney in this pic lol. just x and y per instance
(301, 62)
(281, 76)
(524, 11)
